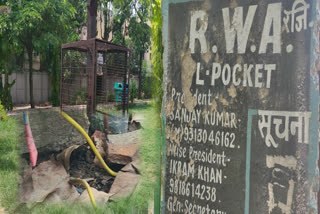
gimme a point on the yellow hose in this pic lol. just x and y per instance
(95, 151)
(84, 183)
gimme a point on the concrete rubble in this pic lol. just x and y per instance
(125, 182)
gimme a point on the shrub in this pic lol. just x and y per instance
(80, 97)
(133, 91)
(146, 86)
(3, 114)
(110, 96)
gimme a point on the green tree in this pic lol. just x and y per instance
(80, 18)
(107, 12)
(6, 57)
(157, 52)
(122, 12)
(40, 27)
(139, 33)
(157, 71)
(131, 19)
(133, 90)
(146, 84)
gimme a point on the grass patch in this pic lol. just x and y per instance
(150, 157)
(9, 163)
(136, 203)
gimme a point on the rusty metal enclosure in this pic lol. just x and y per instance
(89, 70)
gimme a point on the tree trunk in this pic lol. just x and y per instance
(140, 74)
(124, 33)
(1, 86)
(6, 91)
(30, 58)
(92, 6)
(6, 81)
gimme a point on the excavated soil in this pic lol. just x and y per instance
(82, 166)
(81, 161)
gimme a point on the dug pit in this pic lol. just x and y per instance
(80, 162)
(82, 166)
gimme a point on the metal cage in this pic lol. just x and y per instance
(89, 71)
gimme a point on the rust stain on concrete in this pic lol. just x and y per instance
(232, 91)
(172, 135)
(187, 72)
(240, 60)
(169, 107)
(206, 5)
(179, 106)
(207, 56)
(263, 94)
(203, 114)
(217, 58)
(213, 106)
(233, 4)
(214, 28)
(223, 101)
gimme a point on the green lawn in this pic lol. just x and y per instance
(136, 203)
(9, 163)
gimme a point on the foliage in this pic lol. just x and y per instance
(6, 60)
(157, 71)
(54, 71)
(5, 94)
(43, 24)
(80, 17)
(133, 90)
(51, 60)
(139, 32)
(122, 13)
(146, 81)
(130, 27)
(80, 97)
(157, 52)
(107, 10)
(110, 96)
(3, 115)
(138, 29)
(39, 27)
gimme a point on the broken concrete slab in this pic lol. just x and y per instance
(126, 138)
(47, 182)
(122, 153)
(133, 167)
(99, 196)
(124, 183)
